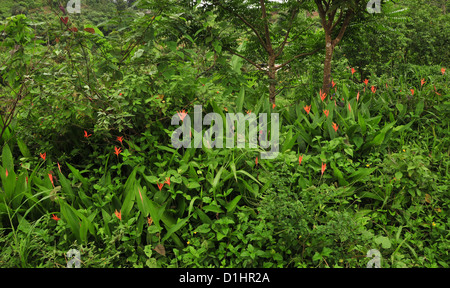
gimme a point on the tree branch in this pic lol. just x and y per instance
(338, 20)
(269, 48)
(295, 57)
(246, 23)
(348, 17)
(280, 49)
(246, 59)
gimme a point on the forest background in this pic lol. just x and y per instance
(86, 101)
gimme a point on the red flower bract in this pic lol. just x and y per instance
(324, 166)
(50, 176)
(335, 127)
(118, 214)
(182, 114)
(117, 150)
(307, 108)
(43, 155)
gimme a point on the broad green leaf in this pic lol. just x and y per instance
(240, 100)
(232, 204)
(23, 148)
(71, 218)
(7, 159)
(78, 175)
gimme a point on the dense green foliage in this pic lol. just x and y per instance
(87, 161)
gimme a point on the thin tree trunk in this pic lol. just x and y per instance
(329, 48)
(272, 73)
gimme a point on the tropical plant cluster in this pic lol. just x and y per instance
(87, 161)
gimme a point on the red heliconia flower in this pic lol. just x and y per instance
(326, 112)
(6, 172)
(118, 214)
(412, 91)
(249, 111)
(256, 161)
(307, 108)
(120, 139)
(335, 127)
(167, 181)
(50, 176)
(374, 89)
(357, 97)
(54, 217)
(273, 106)
(442, 70)
(366, 81)
(322, 95)
(160, 185)
(182, 114)
(117, 150)
(349, 107)
(353, 71)
(300, 158)
(422, 81)
(86, 135)
(324, 166)
(43, 155)
(59, 167)
(333, 83)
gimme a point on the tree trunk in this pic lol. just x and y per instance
(329, 47)
(272, 73)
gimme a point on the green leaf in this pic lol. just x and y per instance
(175, 228)
(7, 159)
(232, 204)
(23, 148)
(419, 108)
(71, 218)
(384, 241)
(360, 174)
(338, 174)
(66, 186)
(78, 175)
(240, 100)
(213, 208)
